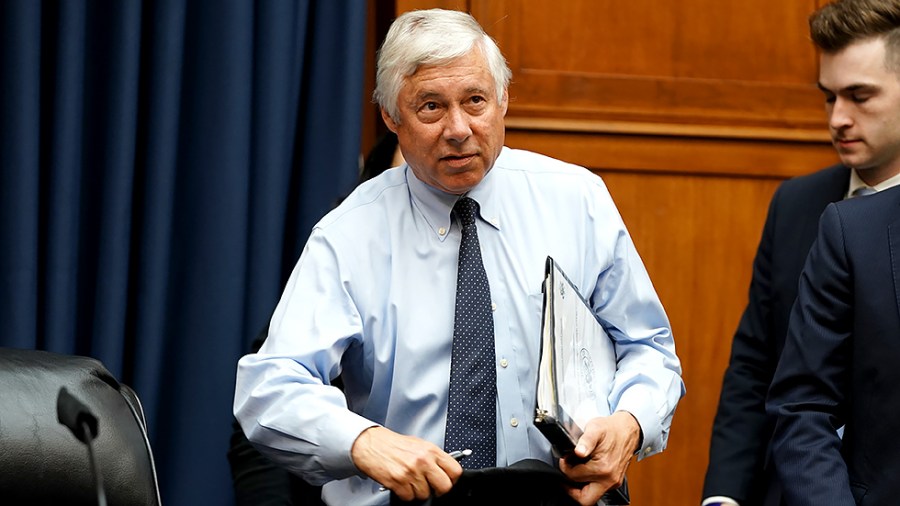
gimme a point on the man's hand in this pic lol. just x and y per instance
(602, 456)
(410, 467)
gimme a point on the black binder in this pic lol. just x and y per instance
(578, 363)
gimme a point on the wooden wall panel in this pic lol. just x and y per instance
(709, 62)
(692, 112)
(697, 236)
(684, 154)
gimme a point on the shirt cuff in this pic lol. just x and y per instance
(342, 435)
(719, 500)
(634, 401)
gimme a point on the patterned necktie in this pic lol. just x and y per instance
(471, 412)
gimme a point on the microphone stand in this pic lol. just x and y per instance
(78, 418)
(95, 469)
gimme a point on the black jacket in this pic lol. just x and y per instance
(740, 445)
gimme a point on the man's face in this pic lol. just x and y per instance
(450, 128)
(862, 99)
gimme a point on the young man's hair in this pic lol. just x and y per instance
(839, 24)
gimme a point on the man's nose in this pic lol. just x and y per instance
(457, 127)
(840, 115)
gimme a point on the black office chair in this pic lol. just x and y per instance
(42, 462)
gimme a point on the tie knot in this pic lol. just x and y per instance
(466, 209)
(863, 191)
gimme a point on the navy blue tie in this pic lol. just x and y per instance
(471, 413)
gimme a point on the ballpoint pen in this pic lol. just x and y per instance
(460, 454)
(456, 454)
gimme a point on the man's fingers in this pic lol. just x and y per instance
(435, 480)
(588, 441)
(421, 490)
(581, 471)
(440, 482)
(445, 476)
(589, 494)
(411, 490)
(409, 466)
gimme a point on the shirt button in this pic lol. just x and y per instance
(493, 306)
(504, 363)
(514, 422)
(442, 231)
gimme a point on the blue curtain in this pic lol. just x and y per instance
(161, 165)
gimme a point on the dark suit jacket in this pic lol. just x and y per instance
(841, 362)
(742, 430)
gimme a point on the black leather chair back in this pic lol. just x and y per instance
(41, 461)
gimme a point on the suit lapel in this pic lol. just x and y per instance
(838, 184)
(831, 188)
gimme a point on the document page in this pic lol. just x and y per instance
(578, 360)
(578, 365)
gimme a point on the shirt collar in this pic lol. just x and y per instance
(436, 205)
(856, 183)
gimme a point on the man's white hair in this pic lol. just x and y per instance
(432, 37)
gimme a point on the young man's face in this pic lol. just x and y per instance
(450, 128)
(862, 99)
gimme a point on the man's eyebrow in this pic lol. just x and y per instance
(849, 89)
(472, 90)
(427, 95)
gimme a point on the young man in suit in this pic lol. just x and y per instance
(839, 366)
(862, 98)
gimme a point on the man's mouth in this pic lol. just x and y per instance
(846, 143)
(458, 160)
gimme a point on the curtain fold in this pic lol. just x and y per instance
(161, 165)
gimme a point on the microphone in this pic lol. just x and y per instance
(72, 413)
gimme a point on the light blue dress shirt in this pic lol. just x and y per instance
(372, 299)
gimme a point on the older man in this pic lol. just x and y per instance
(422, 290)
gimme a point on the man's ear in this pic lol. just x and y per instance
(505, 102)
(388, 120)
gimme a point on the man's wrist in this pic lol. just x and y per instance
(640, 431)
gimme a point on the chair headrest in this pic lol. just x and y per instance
(41, 461)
